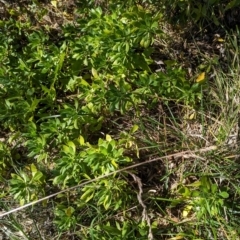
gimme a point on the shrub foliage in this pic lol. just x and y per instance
(62, 96)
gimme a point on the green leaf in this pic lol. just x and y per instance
(205, 182)
(81, 140)
(72, 146)
(232, 4)
(185, 192)
(24, 176)
(107, 202)
(214, 188)
(67, 149)
(14, 136)
(33, 169)
(94, 73)
(114, 164)
(134, 128)
(22, 201)
(127, 47)
(37, 176)
(224, 194)
(112, 230)
(69, 211)
(195, 193)
(195, 184)
(145, 42)
(125, 228)
(88, 195)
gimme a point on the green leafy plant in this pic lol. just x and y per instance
(64, 217)
(27, 186)
(204, 198)
(85, 100)
(6, 158)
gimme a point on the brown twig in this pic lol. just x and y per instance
(145, 216)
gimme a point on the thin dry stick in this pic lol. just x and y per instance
(144, 212)
(176, 155)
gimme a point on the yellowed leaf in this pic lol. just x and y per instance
(108, 138)
(200, 77)
(114, 164)
(186, 211)
(176, 238)
(192, 116)
(54, 3)
(220, 40)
